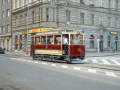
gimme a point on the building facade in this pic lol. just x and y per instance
(99, 20)
(5, 24)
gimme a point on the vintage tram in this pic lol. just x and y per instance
(54, 45)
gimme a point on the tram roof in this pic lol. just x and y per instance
(58, 32)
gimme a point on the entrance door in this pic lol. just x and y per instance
(101, 46)
(116, 44)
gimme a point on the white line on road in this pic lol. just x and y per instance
(44, 63)
(95, 61)
(116, 62)
(36, 62)
(105, 62)
(92, 70)
(54, 65)
(76, 68)
(29, 61)
(111, 74)
(64, 66)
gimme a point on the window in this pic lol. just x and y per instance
(8, 13)
(8, 28)
(116, 22)
(50, 40)
(100, 3)
(47, 14)
(100, 20)
(33, 13)
(109, 21)
(8, 1)
(37, 40)
(20, 20)
(20, 3)
(109, 5)
(67, 16)
(4, 29)
(0, 29)
(82, 18)
(81, 1)
(92, 19)
(116, 4)
(3, 14)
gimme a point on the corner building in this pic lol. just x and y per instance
(97, 19)
(5, 24)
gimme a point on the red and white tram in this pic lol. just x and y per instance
(64, 45)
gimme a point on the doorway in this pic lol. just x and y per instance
(101, 46)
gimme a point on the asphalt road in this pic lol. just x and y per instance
(16, 75)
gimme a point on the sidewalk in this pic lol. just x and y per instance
(101, 54)
(18, 53)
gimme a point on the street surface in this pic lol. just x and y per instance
(22, 73)
(109, 60)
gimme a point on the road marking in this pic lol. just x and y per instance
(95, 61)
(29, 61)
(64, 66)
(92, 70)
(36, 62)
(105, 62)
(76, 68)
(111, 74)
(54, 65)
(44, 63)
(116, 62)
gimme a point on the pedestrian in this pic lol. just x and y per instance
(114, 47)
(65, 40)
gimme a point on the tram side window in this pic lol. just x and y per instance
(43, 40)
(58, 39)
(37, 40)
(50, 40)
